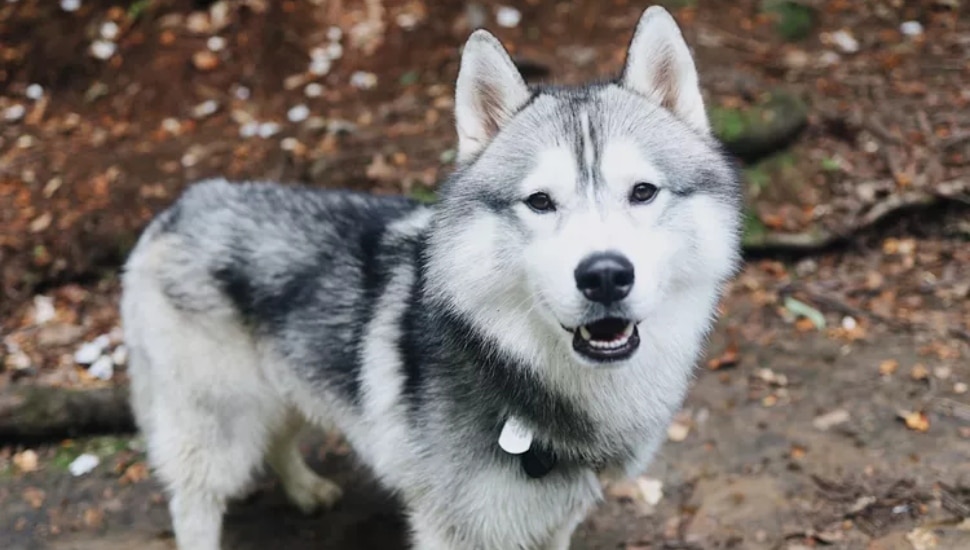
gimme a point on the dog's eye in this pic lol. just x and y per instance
(540, 202)
(643, 193)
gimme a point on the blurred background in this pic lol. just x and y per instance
(832, 408)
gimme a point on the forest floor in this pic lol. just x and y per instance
(833, 406)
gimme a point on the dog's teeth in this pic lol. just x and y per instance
(628, 331)
(584, 332)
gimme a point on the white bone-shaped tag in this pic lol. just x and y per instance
(515, 438)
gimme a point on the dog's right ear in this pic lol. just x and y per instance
(659, 66)
(488, 93)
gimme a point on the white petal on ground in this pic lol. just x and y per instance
(43, 309)
(90, 351)
(103, 368)
(83, 464)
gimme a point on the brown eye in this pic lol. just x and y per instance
(540, 202)
(643, 193)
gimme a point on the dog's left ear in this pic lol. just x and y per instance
(488, 93)
(659, 66)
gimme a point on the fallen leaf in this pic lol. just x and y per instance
(915, 420)
(678, 431)
(729, 358)
(888, 367)
(919, 372)
(771, 377)
(623, 490)
(93, 517)
(26, 461)
(861, 504)
(922, 539)
(802, 309)
(831, 419)
(205, 60)
(41, 222)
(943, 373)
(83, 464)
(773, 220)
(651, 490)
(379, 169)
(135, 473)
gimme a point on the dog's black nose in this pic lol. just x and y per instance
(605, 277)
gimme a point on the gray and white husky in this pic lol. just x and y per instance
(492, 357)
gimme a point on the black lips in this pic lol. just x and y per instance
(606, 330)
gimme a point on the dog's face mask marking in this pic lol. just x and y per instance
(589, 208)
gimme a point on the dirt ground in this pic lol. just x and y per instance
(833, 406)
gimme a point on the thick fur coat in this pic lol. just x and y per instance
(566, 280)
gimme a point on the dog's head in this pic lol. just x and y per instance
(585, 209)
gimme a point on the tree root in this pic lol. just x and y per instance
(814, 242)
(31, 413)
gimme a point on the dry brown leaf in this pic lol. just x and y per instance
(42, 222)
(204, 60)
(379, 169)
(915, 420)
(641, 490)
(773, 221)
(919, 372)
(888, 367)
(678, 431)
(623, 490)
(922, 538)
(651, 490)
(135, 473)
(93, 517)
(728, 358)
(26, 461)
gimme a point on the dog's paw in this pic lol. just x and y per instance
(316, 494)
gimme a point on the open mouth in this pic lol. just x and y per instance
(610, 339)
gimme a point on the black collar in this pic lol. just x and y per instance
(538, 461)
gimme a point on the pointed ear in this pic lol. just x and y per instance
(489, 91)
(659, 67)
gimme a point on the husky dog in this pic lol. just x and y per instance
(491, 357)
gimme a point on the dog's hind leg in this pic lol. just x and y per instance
(206, 445)
(203, 405)
(307, 490)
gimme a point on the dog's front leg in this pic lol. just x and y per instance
(562, 537)
(197, 519)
